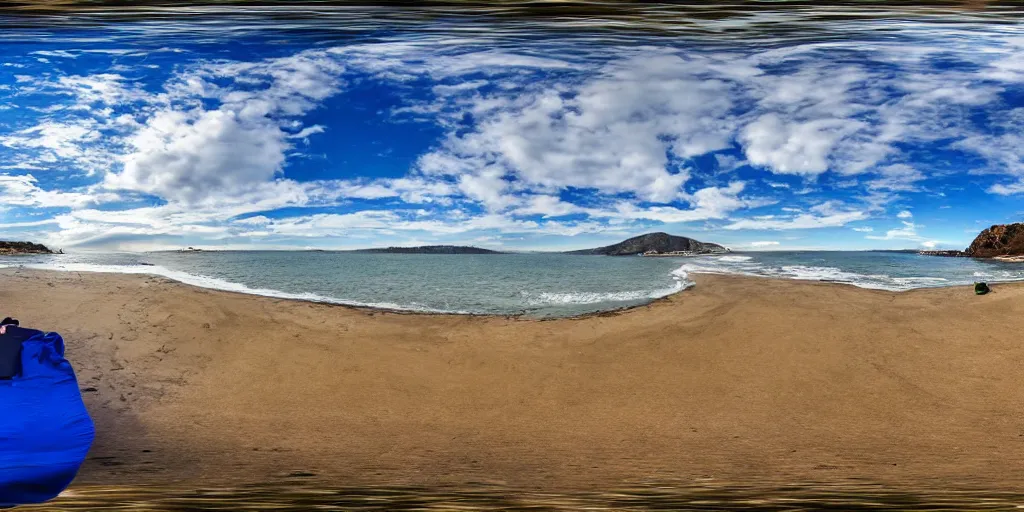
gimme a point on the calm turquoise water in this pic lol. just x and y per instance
(534, 284)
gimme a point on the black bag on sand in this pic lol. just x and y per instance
(10, 348)
(981, 288)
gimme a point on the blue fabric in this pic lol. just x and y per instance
(45, 430)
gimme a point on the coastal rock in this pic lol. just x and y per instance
(998, 240)
(951, 253)
(655, 243)
(7, 248)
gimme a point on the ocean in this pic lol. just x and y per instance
(532, 284)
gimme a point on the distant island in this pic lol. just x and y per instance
(1001, 242)
(655, 244)
(431, 249)
(9, 248)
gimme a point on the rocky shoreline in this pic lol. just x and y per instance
(12, 248)
(1003, 242)
(948, 254)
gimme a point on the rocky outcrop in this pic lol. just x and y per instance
(998, 240)
(7, 248)
(950, 253)
(655, 243)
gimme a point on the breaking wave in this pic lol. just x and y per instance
(679, 276)
(745, 265)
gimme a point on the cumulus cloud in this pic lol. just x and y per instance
(190, 155)
(905, 214)
(793, 148)
(187, 152)
(614, 133)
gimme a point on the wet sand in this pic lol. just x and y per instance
(735, 380)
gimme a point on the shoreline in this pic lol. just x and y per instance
(289, 296)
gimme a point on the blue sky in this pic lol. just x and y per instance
(158, 142)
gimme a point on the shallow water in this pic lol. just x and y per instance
(539, 285)
(701, 497)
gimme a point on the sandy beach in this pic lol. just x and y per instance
(736, 379)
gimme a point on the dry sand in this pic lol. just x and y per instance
(737, 379)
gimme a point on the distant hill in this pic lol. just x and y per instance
(431, 249)
(656, 242)
(23, 248)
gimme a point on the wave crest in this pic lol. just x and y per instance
(679, 275)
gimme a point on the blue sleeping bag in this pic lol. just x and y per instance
(45, 430)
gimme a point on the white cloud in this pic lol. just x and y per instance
(613, 133)
(415, 190)
(546, 206)
(905, 214)
(707, 203)
(28, 224)
(190, 155)
(1007, 190)
(897, 178)
(766, 243)
(24, 190)
(52, 141)
(186, 152)
(794, 148)
(907, 232)
(348, 224)
(802, 221)
(865, 229)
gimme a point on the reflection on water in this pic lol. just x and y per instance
(697, 497)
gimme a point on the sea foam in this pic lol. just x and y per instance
(679, 276)
(749, 267)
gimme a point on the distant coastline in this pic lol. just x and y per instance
(649, 244)
(13, 248)
(430, 249)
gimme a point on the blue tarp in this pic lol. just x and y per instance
(45, 430)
